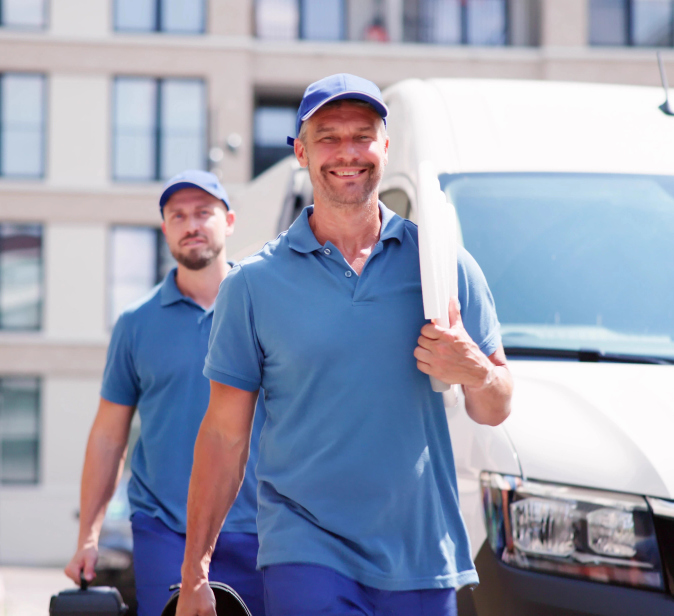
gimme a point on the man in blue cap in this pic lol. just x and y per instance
(155, 362)
(358, 507)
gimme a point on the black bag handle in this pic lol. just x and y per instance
(225, 596)
(84, 584)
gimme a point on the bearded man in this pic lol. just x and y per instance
(154, 364)
(358, 507)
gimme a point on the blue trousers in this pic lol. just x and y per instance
(158, 555)
(312, 590)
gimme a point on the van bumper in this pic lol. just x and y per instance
(506, 591)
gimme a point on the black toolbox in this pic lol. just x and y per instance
(96, 601)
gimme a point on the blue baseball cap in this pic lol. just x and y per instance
(193, 179)
(334, 88)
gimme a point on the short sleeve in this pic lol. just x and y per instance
(234, 355)
(121, 383)
(477, 305)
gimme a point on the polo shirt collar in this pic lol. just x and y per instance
(302, 239)
(170, 294)
(392, 225)
(300, 236)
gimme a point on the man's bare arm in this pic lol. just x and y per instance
(452, 356)
(489, 403)
(103, 465)
(220, 457)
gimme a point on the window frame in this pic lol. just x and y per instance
(43, 123)
(157, 127)
(412, 32)
(344, 26)
(26, 27)
(157, 26)
(159, 238)
(301, 21)
(4, 484)
(268, 101)
(630, 23)
(628, 34)
(41, 282)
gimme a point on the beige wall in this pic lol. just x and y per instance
(231, 103)
(75, 282)
(39, 526)
(231, 18)
(78, 139)
(564, 23)
(82, 18)
(68, 409)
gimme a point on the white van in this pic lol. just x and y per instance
(565, 196)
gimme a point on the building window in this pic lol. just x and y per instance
(273, 123)
(609, 22)
(305, 19)
(22, 125)
(29, 14)
(651, 23)
(20, 277)
(159, 127)
(140, 259)
(648, 23)
(19, 430)
(322, 21)
(456, 22)
(173, 16)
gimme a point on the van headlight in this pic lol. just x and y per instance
(591, 534)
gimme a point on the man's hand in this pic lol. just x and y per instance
(197, 600)
(450, 355)
(84, 561)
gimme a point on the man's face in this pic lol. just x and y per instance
(195, 225)
(346, 150)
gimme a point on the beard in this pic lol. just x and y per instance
(346, 196)
(199, 257)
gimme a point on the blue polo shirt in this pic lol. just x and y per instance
(356, 468)
(155, 362)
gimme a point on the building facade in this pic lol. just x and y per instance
(102, 100)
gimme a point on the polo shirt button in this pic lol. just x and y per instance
(327, 251)
(347, 273)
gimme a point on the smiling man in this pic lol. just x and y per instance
(155, 362)
(358, 510)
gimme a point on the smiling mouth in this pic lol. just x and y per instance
(348, 174)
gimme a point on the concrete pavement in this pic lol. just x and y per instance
(27, 590)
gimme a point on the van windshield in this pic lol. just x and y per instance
(575, 261)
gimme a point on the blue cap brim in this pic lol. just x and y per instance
(174, 188)
(378, 105)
